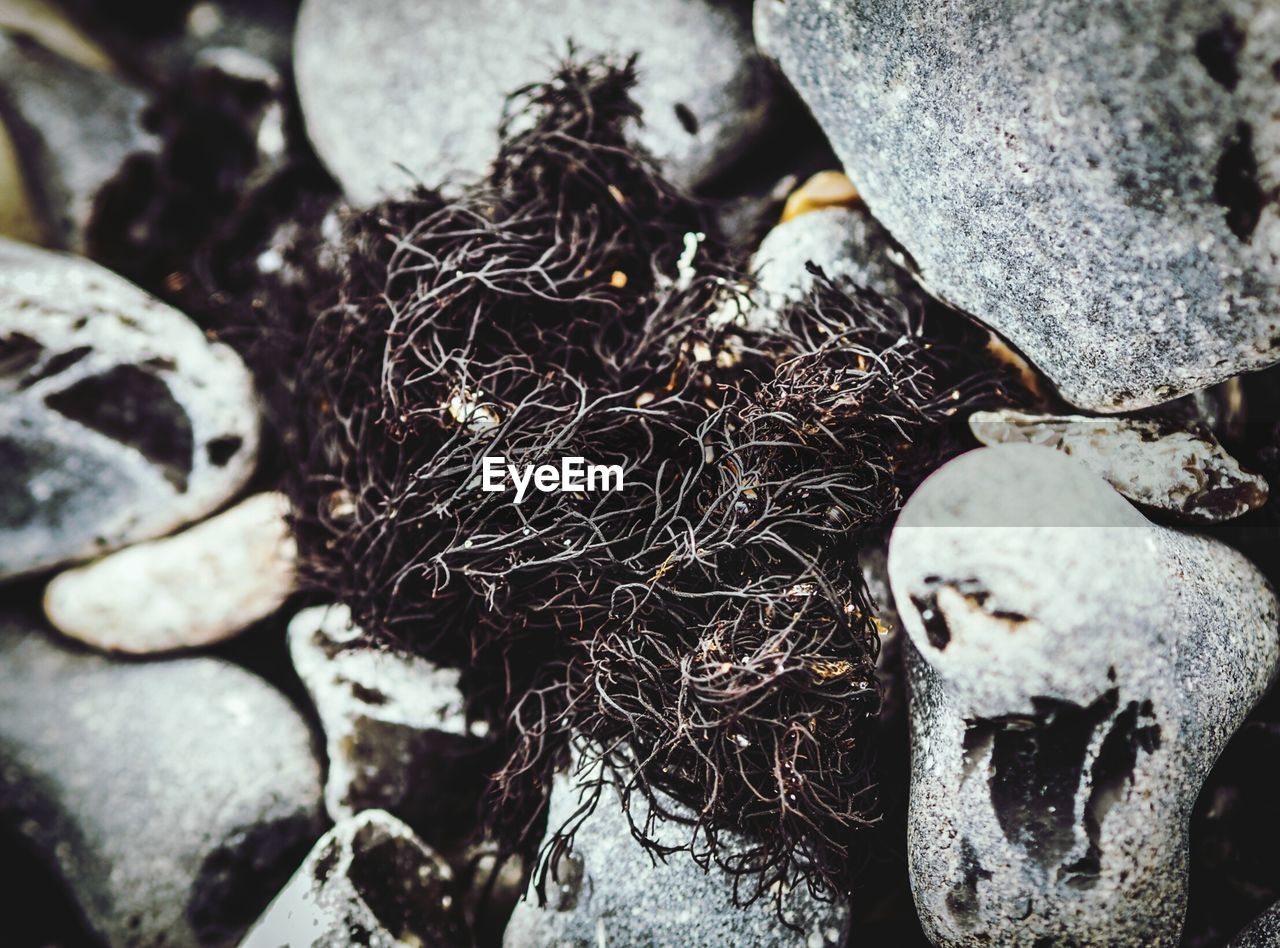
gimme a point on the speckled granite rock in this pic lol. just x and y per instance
(1095, 180)
(119, 421)
(846, 242)
(195, 588)
(1169, 465)
(398, 82)
(72, 128)
(395, 727)
(370, 882)
(607, 890)
(1074, 673)
(1264, 932)
(172, 797)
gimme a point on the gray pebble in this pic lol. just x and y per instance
(119, 420)
(369, 882)
(607, 890)
(1094, 180)
(395, 728)
(1075, 672)
(846, 242)
(72, 129)
(1173, 466)
(1264, 932)
(171, 797)
(398, 91)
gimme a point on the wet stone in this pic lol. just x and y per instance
(1263, 932)
(371, 882)
(1074, 671)
(608, 890)
(1096, 181)
(399, 83)
(395, 728)
(119, 420)
(172, 798)
(1169, 465)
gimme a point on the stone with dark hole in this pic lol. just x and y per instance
(369, 881)
(397, 92)
(1095, 180)
(608, 890)
(171, 799)
(1093, 668)
(395, 728)
(121, 422)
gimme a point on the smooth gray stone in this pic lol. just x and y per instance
(607, 890)
(1095, 180)
(846, 242)
(395, 727)
(1074, 671)
(173, 798)
(1264, 932)
(119, 420)
(395, 83)
(1168, 465)
(72, 129)
(369, 882)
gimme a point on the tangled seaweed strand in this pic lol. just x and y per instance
(706, 630)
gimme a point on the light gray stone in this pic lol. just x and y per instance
(846, 242)
(172, 797)
(607, 889)
(1096, 180)
(72, 129)
(399, 84)
(1264, 932)
(370, 882)
(395, 727)
(194, 588)
(119, 420)
(1075, 671)
(1169, 465)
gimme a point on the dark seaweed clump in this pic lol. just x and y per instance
(706, 631)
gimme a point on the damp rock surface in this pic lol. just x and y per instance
(194, 588)
(369, 881)
(1164, 464)
(398, 92)
(607, 889)
(72, 128)
(395, 728)
(1075, 671)
(119, 420)
(1094, 180)
(172, 798)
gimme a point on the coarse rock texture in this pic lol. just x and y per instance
(119, 421)
(607, 889)
(1165, 464)
(398, 91)
(1264, 932)
(370, 882)
(173, 798)
(1095, 180)
(1074, 671)
(72, 129)
(394, 724)
(194, 588)
(846, 243)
